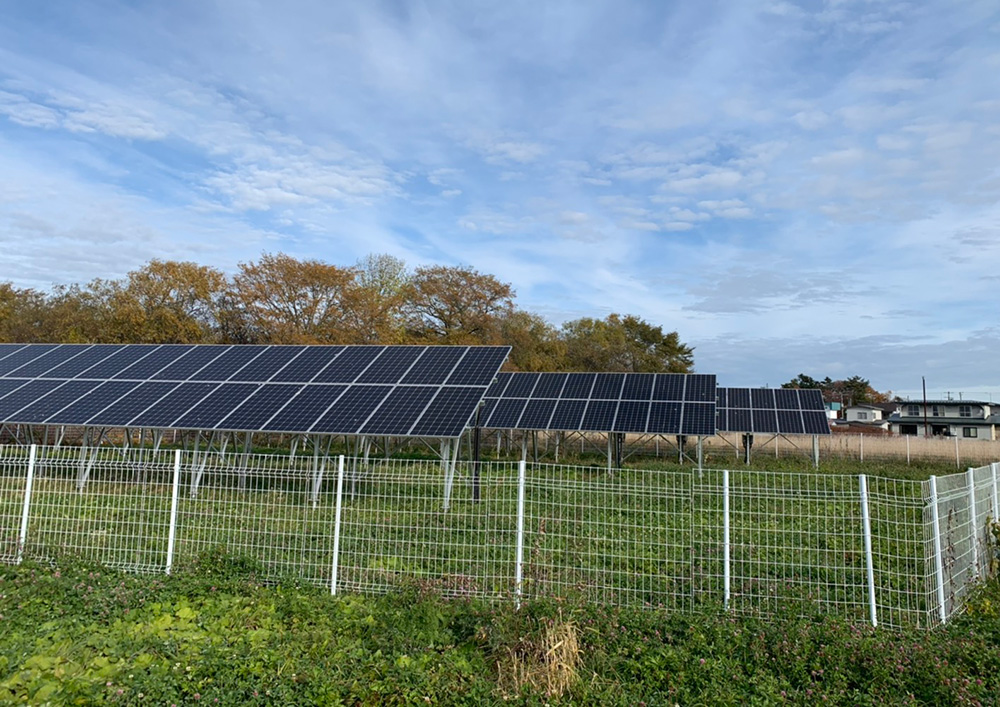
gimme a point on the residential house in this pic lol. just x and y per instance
(967, 419)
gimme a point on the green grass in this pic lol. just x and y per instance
(214, 634)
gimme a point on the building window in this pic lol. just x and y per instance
(862, 415)
(913, 411)
(965, 411)
(935, 411)
(908, 430)
(970, 431)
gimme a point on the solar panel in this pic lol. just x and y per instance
(641, 403)
(783, 411)
(396, 390)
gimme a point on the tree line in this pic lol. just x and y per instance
(279, 299)
(850, 391)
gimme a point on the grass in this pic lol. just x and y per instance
(215, 634)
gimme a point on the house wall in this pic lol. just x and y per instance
(854, 415)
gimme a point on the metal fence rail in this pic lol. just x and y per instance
(891, 552)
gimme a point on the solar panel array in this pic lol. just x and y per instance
(785, 411)
(399, 391)
(653, 403)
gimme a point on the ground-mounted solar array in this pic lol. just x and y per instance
(784, 411)
(646, 403)
(399, 391)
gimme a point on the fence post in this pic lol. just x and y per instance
(336, 525)
(862, 445)
(938, 568)
(519, 542)
(970, 478)
(958, 459)
(22, 536)
(995, 468)
(907, 437)
(172, 532)
(866, 525)
(726, 569)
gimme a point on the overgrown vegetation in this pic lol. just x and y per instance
(213, 634)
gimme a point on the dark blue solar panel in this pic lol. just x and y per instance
(350, 364)
(722, 398)
(638, 386)
(23, 356)
(51, 360)
(738, 420)
(786, 399)
(739, 397)
(450, 411)
(762, 398)
(306, 365)
(506, 414)
(187, 365)
(8, 385)
(119, 413)
(608, 386)
(550, 385)
(352, 409)
(699, 388)
(52, 403)
(86, 359)
(698, 419)
(7, 349)
(262, 368)
(790, 422)
(632, 416)
(89, 405)
(485, 410)
(435, 366)
(816, 423)
(536, 414)
(664, 418)
(305, 408)
(399, 411)
(764, 420)
(226, 365)
(25, 395)
(568, 415)
(668, 386)
(811, 399)
(579, 385)
(210, 411)
(122, 364)
(259, 407)
(521, 385)
(600, 415)
(478, 366)
(170, 407)
(391, 365)
(497, 386)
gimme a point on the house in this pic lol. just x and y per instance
(968, 419)
(863, 419)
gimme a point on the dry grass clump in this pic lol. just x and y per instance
(547, 662)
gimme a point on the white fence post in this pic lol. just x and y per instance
(866, 525)
(958, 459)
(22, 536)
(336, 525)
(172, 532)
(861, 445)
(995, 468)
(970, 478)
(726, 576)
(907, 437)
(519, 551)
(938, 566)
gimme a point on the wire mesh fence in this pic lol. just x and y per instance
(895, 552)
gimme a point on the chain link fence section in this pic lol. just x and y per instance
(894, 552)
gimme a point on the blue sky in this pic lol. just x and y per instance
(793, 186)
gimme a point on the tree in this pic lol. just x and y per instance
(851, 391)
(624, 344)
(454, 305)
(289, 301)
(535, 344)
(381, 286)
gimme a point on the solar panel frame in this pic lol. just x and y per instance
(783, 411)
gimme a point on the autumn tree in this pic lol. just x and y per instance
(381, 287)
(854, 390)
(21, 310)
(289, 301)
(535, 344)
(626, 343)
(456, 305)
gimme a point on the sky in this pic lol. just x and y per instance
(794, 187)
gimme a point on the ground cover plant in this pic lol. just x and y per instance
(214, 633)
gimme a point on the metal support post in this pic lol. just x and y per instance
(174, 492)
(866, 529)
(970, 480)
(938, 563)
(22, 536)
(815, 451)
(519, 541)
(726, 545)
(336, 525)
(449, 471)
(995, 469)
